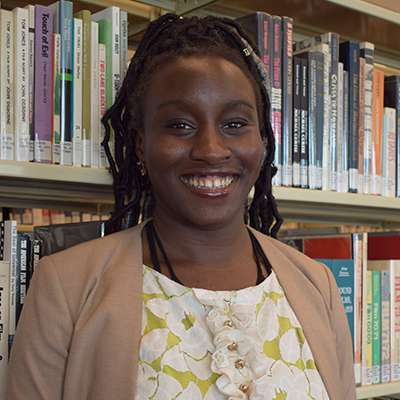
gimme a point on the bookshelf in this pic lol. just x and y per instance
(33, 185)
(384, 389)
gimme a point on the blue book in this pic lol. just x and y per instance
(349, 55)
(62, 24)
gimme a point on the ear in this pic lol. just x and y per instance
(140, 145)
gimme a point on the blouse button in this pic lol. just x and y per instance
(228, 323)
(233, 346)
(239, 364)
(244, 387)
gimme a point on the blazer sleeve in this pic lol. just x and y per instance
(42, 340)
(344, 346)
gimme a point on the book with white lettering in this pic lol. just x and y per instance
(385, 326)
(389, 152)
(4, 323)
(6, 85)
(102, 99)
(393, 266)
(124, 44)
(43, 85)
(56, 97)
(77, 54)
(94, 85)
(21, 84)
(31, 62)
(10, 255)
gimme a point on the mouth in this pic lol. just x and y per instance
(209, 182)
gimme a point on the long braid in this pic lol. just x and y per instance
(168, 37)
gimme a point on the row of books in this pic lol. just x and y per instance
(59, 72)
(333, 112)
(19, 255)
(366, 267)
(39, 217)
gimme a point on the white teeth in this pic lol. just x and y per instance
(209, 182)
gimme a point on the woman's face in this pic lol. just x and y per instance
(201, 142)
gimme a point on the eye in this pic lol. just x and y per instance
(236, 124)
(179, 125)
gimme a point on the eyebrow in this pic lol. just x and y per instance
(187, 104)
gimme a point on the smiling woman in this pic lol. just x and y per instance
(197, 301)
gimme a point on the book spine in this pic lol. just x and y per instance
(123, 34)
(102, 98)
(56, 97)
(385, 326)
(21, 84)
(389, 154)
(10, 254)
(384, 149)
(94, 73)
(31, 62)
(77, 93)
(345, 128)
(367, 52)
(4, 323)
(36, 254)
(377, 115)
(349, 55)
(6, 85)
(296, 120)
(376, 327)
(361, 128)
(395, 321)
(339, 129)
(368, 328)
(333, 42)
(312, 143)
(357, 247)
(320, 112)
(1, 240)
(43, 84)
(287, 103)
(85, 15)
(364, 309)
(303, 125)
(276, 97)
(392, 99)
(23, 247)
(63, 11)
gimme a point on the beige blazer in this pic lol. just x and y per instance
(79, 333)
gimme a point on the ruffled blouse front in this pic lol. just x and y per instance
(203, 344)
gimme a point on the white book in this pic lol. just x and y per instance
(4, 322)
(367, 52)
(21, 84)
(10, 254)
(389, 152)
(124, 44)
(77, 81)
(31, 62)
(393, 266)
(94, 106)
(339, 129)
(113, 13)
(102, 97)
(56, 97)
(6, 85)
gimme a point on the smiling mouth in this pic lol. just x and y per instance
(209, 181)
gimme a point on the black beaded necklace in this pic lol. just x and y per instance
(152, 238)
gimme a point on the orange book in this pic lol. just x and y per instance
(377, 121)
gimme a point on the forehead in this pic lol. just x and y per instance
(198, 77)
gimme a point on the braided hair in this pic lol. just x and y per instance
(167, 38)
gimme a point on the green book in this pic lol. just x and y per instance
(368, 327)
(85, 16)
(376, 327)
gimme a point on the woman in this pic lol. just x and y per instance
(190, 304)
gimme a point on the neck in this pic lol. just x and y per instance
(216, 257)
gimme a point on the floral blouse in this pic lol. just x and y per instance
(212, 345)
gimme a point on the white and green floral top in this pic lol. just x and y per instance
(219, 345)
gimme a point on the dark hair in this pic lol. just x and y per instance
(166, 38)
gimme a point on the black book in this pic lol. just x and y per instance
(296, 120)
(22, 272)
(303, 124)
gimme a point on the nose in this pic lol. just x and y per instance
(210, 146)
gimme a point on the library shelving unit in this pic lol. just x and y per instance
(377, 21)
(34, 185)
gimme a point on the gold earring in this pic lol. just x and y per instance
(142, 168)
